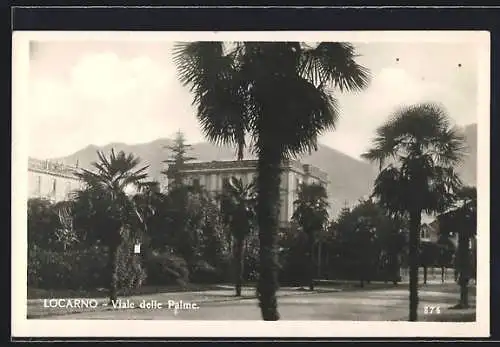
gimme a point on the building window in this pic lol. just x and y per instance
(225, 182)
(424, 234)
(196, 182)
(68, 188)
(297, 188)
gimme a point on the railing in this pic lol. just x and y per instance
(216, 165)
(239, 164)
(50, 166)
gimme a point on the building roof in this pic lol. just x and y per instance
(51, 168)
(244, 165)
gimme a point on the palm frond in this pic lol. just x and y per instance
(311, 208)
(305, 112)
(424, 148)
(418, 129)
(219, 92)
(334, 62)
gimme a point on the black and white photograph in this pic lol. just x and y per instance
(328, 182)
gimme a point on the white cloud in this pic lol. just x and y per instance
(83, 94)
(391, 88)
(107, 99)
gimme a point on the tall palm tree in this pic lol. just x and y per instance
(311, 214)
(238, 208)
(278, 93)
(462, 219)
(422, 148)
(111, 213)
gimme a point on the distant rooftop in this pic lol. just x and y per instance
(51, 167)
(293, 165)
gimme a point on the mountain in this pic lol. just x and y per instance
(350, 178)
(468, 169)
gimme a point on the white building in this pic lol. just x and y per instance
(211, 176)
(50, 180)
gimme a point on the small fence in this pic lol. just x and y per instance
(433, 274)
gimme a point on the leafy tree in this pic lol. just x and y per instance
(151, 204)
(422, 149)
(238, 208)
(103, 209)
(294, 271)
(356, 232)
(42, 224)
(446, 250)
(176, 161)
(214, 241)
(462, 219)
(183, 220)
(391, 240)
(311, 214)
(278, 93)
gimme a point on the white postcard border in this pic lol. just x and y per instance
(23, 327)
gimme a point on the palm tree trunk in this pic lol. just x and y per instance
(238, 263)
(395, 269)
(113, 260)
(311, 262)
(415, 219)
(319, 273)
(463, 260)
(268, 185)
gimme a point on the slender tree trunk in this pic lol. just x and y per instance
(442, 274)
(319, 260)
(463, 260)
(238, 252)
(268, 199)
(415, 218)
(395, 269)
(113, 260)
(425, 274)
(311, 262)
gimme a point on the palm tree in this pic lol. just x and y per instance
(423, 148)
(311, 214)
(462, 220)
(110, 213)
(238, 208)
(278, 93)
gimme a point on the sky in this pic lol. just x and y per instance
(99, 92)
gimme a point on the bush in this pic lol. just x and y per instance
(203, 272)
(251, 265)
(165, 269)
(80, 269)
(131, 272)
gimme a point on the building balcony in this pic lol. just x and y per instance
(50, 167)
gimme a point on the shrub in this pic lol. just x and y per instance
(250, 270)
(81, 269)
(78, 269)
(203, 272)
(131, 272)
(166, 268)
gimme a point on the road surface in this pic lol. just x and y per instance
(325, 303)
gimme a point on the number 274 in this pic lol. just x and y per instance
(432, 310)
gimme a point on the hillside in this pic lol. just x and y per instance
(350, 178)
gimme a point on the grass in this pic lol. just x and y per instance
(37, 293)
